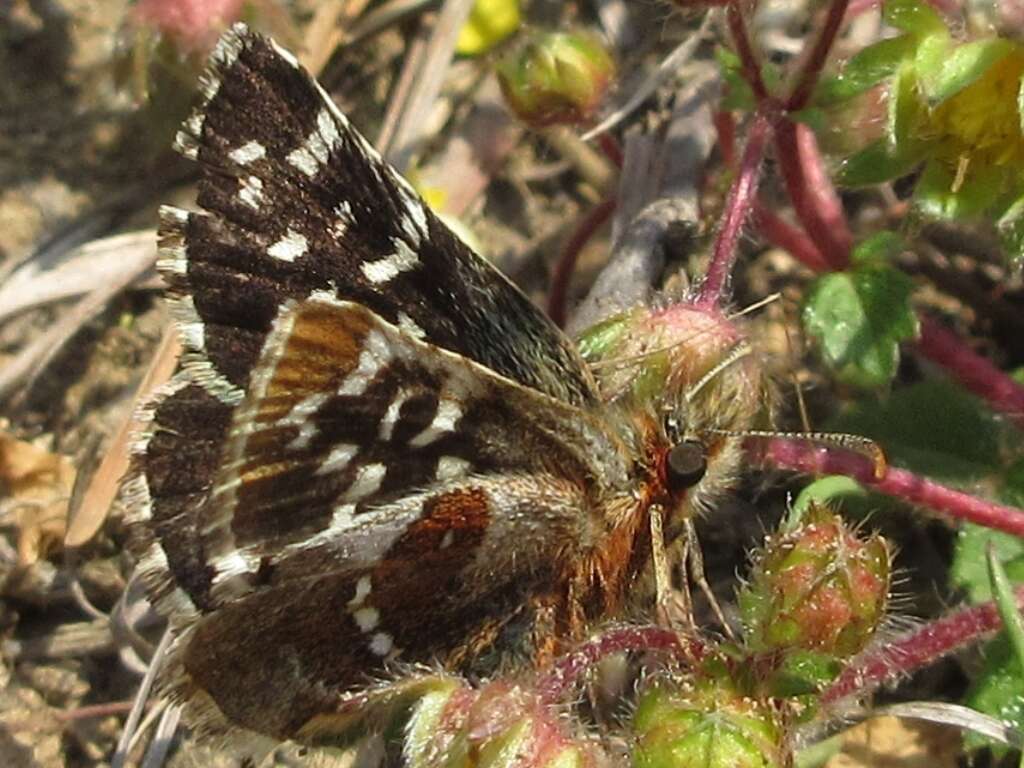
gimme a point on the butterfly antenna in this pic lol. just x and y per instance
(739, 351)
(859, 444)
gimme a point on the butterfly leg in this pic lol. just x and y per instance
(695, 563)
(662, 575)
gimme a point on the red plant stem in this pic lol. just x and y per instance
(973, 371)
(918, 649)
(737, 207)
(802, 456)
(748, 60)
(611, 148)
(814, 197)
(784, 235)
(725, 127)
(592, 222)
(816, 61)
(567, 669)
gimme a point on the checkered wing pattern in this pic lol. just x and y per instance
(366, 417)
(295, 201)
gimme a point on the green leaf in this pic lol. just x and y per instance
(914, 16)
(969, 570)
(998, 691)
(905, 113)
(1010, 226)
(738, 94)
(930, 57)
(937, 194)
(932, 428)
(877, 163)
(859, 318)
(1006, 603)
(880, 248)
(964, 65)
(865, 70)
(833, 490)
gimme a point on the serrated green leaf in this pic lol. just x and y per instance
(963, 65)
(865, 70)
(969, 571)
(859, 318)
(933, 428)
(998, 691)
(914, 16)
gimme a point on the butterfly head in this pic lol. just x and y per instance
(683, 382)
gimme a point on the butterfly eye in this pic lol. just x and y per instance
(687, 462)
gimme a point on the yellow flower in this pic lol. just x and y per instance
(981, 125)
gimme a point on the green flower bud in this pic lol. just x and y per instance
(556, 77)
(707, 724)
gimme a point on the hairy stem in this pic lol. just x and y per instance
(810, 189)
(916, 650)
(812, 67)
(568, 668)
(973, 371)
(802, 456)
(737, 208)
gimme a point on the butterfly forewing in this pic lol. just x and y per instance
(296, 201)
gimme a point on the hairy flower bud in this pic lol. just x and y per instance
(818, 587)
(707, 724)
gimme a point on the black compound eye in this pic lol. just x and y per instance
(687, 463)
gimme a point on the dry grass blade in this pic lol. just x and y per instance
(37, 283)
(668, 68)
(86, 517)
(34, 357)
(438, 56)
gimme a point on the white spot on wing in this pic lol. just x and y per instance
(447, 540)
(363, 587)
(387, 423)
(448, 413)
(250, 192)
(290, 247)
(368, 480)
(402, 260)
(375, 354)
(410, 326)
(248, 153)
(381, 644)
(451, 467)
(303, 159)
(343, 212)
(338, 458)
(367, 618)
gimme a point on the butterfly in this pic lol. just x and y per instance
(377, 452)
